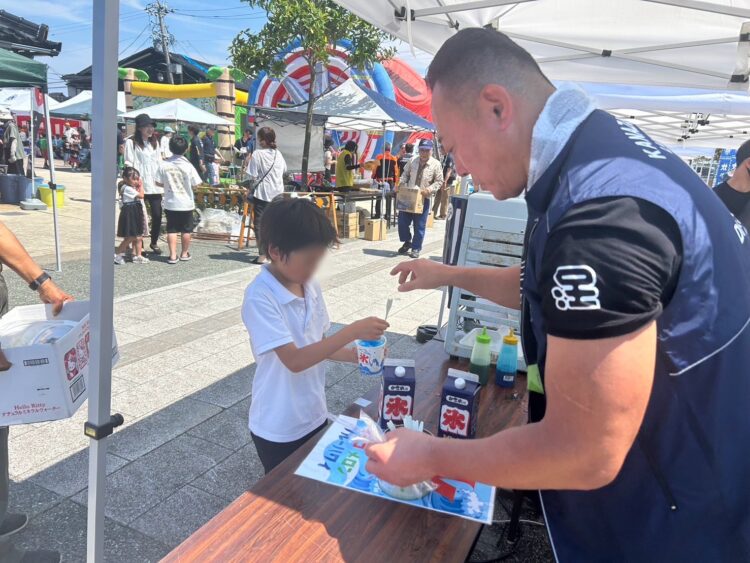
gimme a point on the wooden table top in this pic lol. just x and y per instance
(285, 517)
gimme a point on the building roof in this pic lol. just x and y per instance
(152, 61)
(25, 37)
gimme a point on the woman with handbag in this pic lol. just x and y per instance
(266, 171)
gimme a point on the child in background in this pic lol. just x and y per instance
(178, 178)
(130, 223)
(286, 318)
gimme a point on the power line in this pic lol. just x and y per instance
(159, 33)
(134, 40)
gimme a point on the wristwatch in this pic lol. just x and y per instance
(37, 283)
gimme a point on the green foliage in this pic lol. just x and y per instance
(317, 24)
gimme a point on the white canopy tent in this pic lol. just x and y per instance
(178, 110)
(682, 43)
(18, 100)
(81, 105)
(679, 117)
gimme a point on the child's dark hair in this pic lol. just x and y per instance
(178, 144)
(127, 173)
(293, 224)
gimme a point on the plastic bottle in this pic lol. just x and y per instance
(480, 357)
(507, 361)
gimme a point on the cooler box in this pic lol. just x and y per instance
(8, 190)
(45, 194)
(24, 188)
(48, 379)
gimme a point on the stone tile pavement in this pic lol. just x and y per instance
(183, 384)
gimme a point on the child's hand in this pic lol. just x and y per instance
(371, 328)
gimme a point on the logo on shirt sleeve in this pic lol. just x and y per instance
(575, 288)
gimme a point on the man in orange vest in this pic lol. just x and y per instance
(386, 172)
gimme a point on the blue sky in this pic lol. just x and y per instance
(201, 29)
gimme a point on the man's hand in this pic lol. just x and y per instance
(53, 295)
(421, 274)
(426, 193)
(371, 328)
(405, 459)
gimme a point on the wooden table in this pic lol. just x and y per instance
(288, 518)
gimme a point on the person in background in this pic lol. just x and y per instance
(329, 159)
(441, 199)
(75, 151)
(425, 173)
(12, 146)
(266, 171)
(120, 146)
(735, 192)
(196, 151)
(142, 153)
(164, 142)
(405, 154)
(14, 255)
(211, 157)
(44, 149)
(346, 164)
(286, 318)
(387, 173)
(243, 148)
(178, 177)
(67, 141)
(130, 221)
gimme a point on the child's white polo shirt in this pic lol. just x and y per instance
(285, 406)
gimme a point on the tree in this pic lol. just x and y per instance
(318, 25)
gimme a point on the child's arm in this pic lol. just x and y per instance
(347, 354)
(299, 359)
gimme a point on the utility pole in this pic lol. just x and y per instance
(160, 35)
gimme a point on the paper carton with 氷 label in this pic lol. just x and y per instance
(459, 405)
(50, 360)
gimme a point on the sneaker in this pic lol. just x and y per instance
(155, 248)
(41, 556)
(414, 254)
(140, 260)
(405, 248)
(119, 259)
(13, 523)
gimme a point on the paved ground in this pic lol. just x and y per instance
(183, 385)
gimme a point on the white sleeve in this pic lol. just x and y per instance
(252, 166)
(195, 179)
(265, 324)
(129, 193)
(129, 153)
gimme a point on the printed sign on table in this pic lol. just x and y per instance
(339, 461)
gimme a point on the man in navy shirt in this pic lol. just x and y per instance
(635, 307)
(735, 191)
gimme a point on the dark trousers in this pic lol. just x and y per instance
(16, 167)
(154, 204)
(419, 220)
(259, 206)
(379, 207)
(272, 454)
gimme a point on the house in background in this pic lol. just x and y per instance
(26, 38)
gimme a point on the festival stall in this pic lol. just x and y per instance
(177, 110)
(80, 106)
(17, 71)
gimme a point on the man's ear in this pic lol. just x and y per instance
(496, 105)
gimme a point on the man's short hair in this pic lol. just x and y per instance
(475, 57)
(409, 147)
(743, 153)
(294, 224)
(387, 147)
(178, 144)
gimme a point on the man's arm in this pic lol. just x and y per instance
(597, 394)
(14, 255)
(500, 285)
(437, 179)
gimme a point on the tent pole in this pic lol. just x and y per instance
(104, 119)
(383, 208)
(52, 184)
(31, 134)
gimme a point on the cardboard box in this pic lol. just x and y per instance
(430, 220)
(347, 220)
(409, 200)
(46, 381)
(375, 229)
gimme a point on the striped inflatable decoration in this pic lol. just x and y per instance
(294, 87)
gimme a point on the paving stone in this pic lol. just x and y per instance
(149, 480)
(175, 519)
(30, 499)
(336, 371)
(233, 476)
(70, 475)
(228, 390)
(162, 426)
(228, 429)
(63, 528)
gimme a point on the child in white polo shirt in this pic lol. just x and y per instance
(286, 318)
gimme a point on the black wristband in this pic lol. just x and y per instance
(37, 283)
